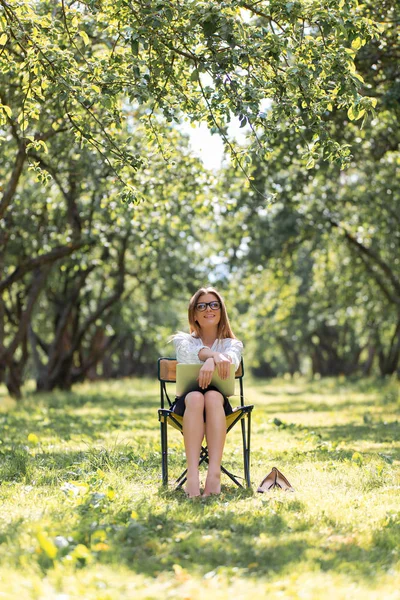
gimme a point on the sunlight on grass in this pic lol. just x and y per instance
(84, 514)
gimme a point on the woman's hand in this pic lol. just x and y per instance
(206, 373)
(223, 365)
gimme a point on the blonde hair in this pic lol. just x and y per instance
(224, 328)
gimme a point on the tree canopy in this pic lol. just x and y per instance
(264, 63)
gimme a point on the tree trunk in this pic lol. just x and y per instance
(14, 369)
(14, 380)
(292, 357)
(389, 361)
(367, 367)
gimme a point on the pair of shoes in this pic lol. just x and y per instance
(273, 480)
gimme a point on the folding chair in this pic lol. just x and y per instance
(167, 375)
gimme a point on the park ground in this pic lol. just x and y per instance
(83, 513)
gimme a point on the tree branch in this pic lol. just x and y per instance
(372, 255)
(39, 261)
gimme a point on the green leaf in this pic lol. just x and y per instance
(47, 545)
(355, 112)
(85, 37)
(351, 113)
(135, 47)
(357, 43)
(210, 25)
(310, 164)
(357, 458)
(359, 77)
(110, 493)
(6, 109)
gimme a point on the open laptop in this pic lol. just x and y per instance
(186, 379)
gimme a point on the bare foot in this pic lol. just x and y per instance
(192, 487)
(213, 484)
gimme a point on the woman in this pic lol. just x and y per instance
(211, 342)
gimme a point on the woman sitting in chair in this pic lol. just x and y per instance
(211, 342)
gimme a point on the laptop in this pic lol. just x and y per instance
(186, 379)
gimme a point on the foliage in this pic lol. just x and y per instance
(126, 261)
(209, 61)
(307, 252)
(73, 256)
(319, 266)
(83, 511)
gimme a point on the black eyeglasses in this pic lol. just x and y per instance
(214, 305)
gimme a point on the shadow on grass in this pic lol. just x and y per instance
(317, 406)
(380, 432)
(349, 558)
(217, 535)
(53, 468)
(107, 400)
(11, 530)
(211, 536)
(202, 536)
(167, 529)
(59, 416)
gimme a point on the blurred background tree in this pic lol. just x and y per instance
(122, 263)
(321, 266)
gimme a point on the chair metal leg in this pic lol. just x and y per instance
(246, 449)
(164, 452)
(181, 479)
(231, 476)
(247, 472)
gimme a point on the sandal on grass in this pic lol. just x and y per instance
(268, 483)
(275, 479)
(282, 482)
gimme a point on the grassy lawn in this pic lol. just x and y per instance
(83, 514)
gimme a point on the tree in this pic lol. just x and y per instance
(65, 264)
(322, 261)
(123, 258)
(262, 62)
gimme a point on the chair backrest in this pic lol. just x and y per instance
(167, 374)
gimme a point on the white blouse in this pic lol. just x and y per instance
(187, 348)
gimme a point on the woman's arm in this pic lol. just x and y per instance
(186, 348)
(233, 350)
(221, 361)
(205, 353)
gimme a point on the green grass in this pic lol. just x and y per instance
(83, 514)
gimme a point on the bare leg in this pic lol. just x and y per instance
(215, 435)
(193, 433)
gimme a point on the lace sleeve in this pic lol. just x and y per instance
(187, 348)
